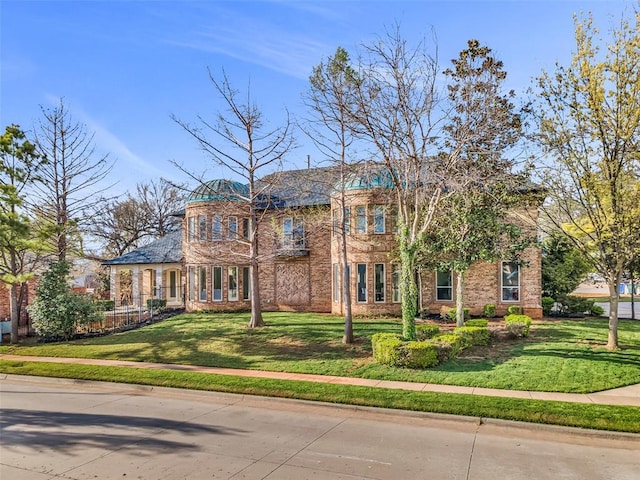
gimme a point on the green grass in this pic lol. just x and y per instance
(559, 356)
(604, 417)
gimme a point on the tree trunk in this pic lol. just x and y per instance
(460, 299)
(633, 296)
(15, 312)
(614, 296)
(256, 307)
(346, 288)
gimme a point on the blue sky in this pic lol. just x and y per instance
(124, 67)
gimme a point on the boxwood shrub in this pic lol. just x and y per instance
(156, 303)
(517, 325)
(473, 336)
(419, 354)
(426, 331)
(477, 322)
(489, 310)
(451, 313)
(448, 346)
(514, 310)
(386, 348)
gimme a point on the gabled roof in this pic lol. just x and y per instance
(167, 249)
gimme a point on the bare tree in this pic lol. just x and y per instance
(331, 99)
(397, 111)
(72, 177)
(240, 141)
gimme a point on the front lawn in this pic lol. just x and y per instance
(563, 356)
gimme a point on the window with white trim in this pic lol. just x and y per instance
(336, 282)
(246, 283)
(233, 283)
(216, 228)
(379, 282)
(361, 284)
(347, 220)
(510, 282)
(361, 219)
(378, 219)
(202, 284)
(444, 286)
(216, 280)
(191, 229)
(192, 283)
(395, 283)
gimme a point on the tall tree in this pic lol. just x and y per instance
(589, 127)
(240, 141)
(19, 242)
(482, 126)
(332, 103)
(73, 177)
(563, 266)
(397, 108)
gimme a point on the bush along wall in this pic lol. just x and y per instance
(517, 325)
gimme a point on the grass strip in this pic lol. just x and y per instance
(600, 417)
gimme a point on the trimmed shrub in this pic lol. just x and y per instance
(448, 346)
(517, 325)
(451, 314)
(489, 310)
(473, 336)
(426, 331)
(547, 305)
(597, 311)
(477, 322)
(105, 305)
(515, 310)
(386, 348)
(419, 355)
(156, 303)
(577, 305)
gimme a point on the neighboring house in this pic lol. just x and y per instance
(298, 248)
(151, 271)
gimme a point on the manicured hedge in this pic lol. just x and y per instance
(419, 355)
(389, 349)
(426, 331)
(473, 336)
(156, 303)
(517, 325)
(448, 346)
(451, 313)
(386, 348)
(477, 322)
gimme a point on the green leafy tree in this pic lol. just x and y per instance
(589, 127)
(563, 266)
(19, 242)
(57, 311)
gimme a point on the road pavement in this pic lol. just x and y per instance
(55, 428)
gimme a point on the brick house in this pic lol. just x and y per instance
(299, 264)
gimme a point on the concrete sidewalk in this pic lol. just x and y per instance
(620, 396)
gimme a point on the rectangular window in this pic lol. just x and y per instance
(395, 283)
(444, 286)
(334, 222)
(245, 228)
(361, 219)
(191, 229)
(233, 284)
(173, 284)
(378, 219)
(510, 282)
(192, 283)
(217, 283)
(216, 228)
(233, 227)
(336, 282)
(202, 284)
(246, 283)
(347, 220)
(362, 282)
(292, 233)
(202, 228)
(379, 282)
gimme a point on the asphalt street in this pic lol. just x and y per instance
(54, 428)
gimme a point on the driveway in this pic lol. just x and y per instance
(55, 428)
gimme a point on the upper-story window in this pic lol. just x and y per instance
(191, 229)
(347, 220)
(245, 228)
(378, 219)
(216, 228)
(361, 219)
(510, 282)
(202, 228)
(233, 227)
(292, 233)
